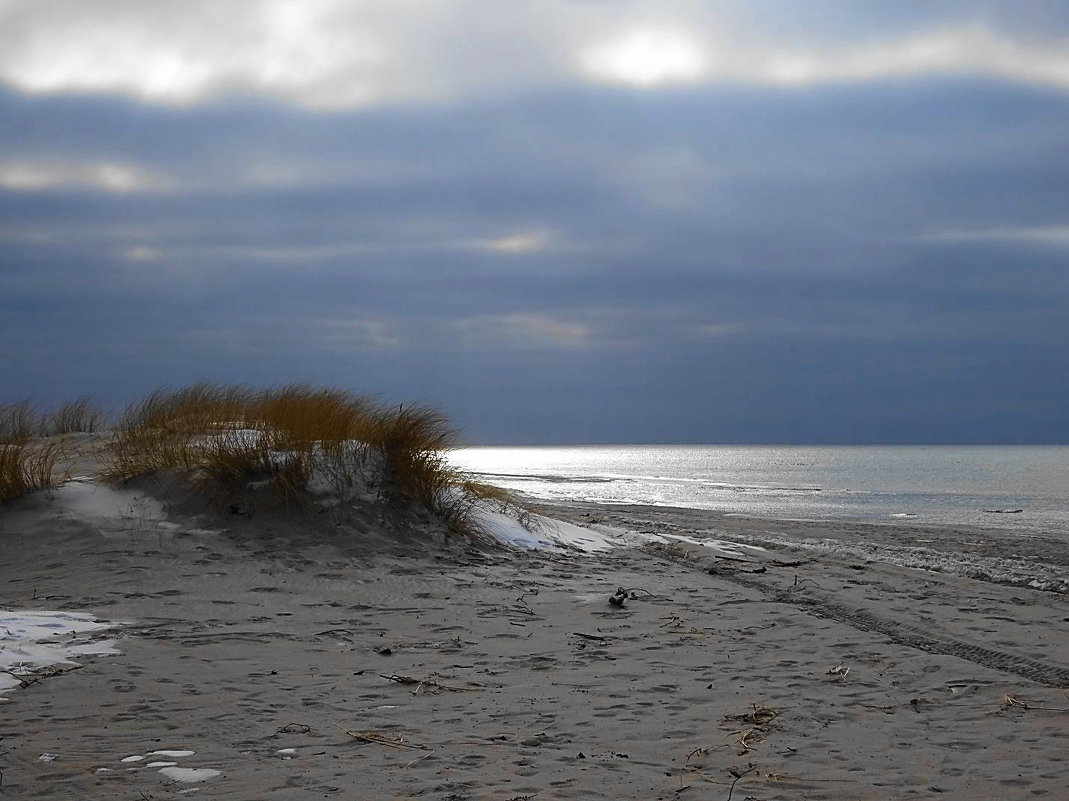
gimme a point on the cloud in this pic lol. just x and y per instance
(105, 176)
(719, 330)
(143, 253)
(963, 50)
(338, 55)
(1053, 235)
(524, 242)
(176, 52)
(489, 218)
(522, 330)
(647, 57)
(361, 334)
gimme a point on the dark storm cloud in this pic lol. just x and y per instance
(877, 259)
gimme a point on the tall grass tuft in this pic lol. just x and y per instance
(28, 465)
(18, 422)
(26, 468)
(79, 415)
(294, 438)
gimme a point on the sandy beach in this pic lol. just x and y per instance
(255, 658)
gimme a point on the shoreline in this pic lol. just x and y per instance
(296, 664)
(1000, 556)
(926, 485)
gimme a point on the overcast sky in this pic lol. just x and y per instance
(558, 221)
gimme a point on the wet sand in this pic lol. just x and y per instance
(302, 665)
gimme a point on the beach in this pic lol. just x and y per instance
(255, 658)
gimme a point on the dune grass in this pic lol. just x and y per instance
(19, 422)
(79, 415)
(27, 467)
(298, 440)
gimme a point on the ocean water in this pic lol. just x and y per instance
(981, 486)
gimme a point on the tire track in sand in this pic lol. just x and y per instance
(900, 633)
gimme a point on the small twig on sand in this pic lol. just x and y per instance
(294, 728)
(421, 683)
(781, 563)
(523, 606)
(418, 759)
(382, 739)
(738, 775)
(758, 716)
(1014, 701)
(779, 777)
(747, 739)
(839, 671)
(334, 633)
(26, 679)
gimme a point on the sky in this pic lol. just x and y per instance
(563, 221)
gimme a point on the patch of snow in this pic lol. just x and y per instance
(539, 533)
(31, 640)
(722, 547)
(190, 775)
(92, 501)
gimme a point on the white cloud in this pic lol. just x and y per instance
(361, 334)
(523, 242)
(523, 329)
(143, 253)
(647, 57)
(644, 58)
(344, 54)
(717, 330)
(105, 176)
(1055, 235)
(965, 50)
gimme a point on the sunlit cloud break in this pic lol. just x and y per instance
(647, 57)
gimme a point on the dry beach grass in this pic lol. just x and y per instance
(225, 437)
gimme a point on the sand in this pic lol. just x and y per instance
(260, 660)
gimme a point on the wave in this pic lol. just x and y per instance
(556, 478)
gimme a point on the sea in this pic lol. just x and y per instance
(1014, 488)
